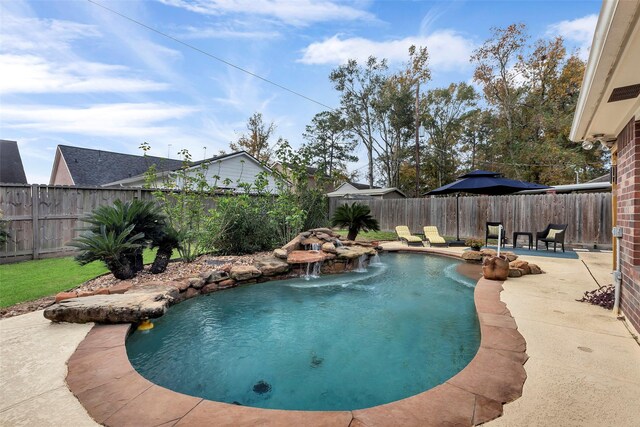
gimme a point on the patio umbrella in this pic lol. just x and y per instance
(482, 182)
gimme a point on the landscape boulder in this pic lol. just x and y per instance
(215, 276)
(472, 256)
(243, 272)
(271, 266)
(280, 253)
(495, 268)
(535, 269)
(305, 257)
(522, 265)
(329, 247)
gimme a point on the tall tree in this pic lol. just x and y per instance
(330, 144)
(445, 113)
(256, 140)
(358, 86)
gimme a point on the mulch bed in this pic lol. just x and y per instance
(175, 270)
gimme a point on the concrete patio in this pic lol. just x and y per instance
(584, 366)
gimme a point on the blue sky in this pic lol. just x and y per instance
(73, 73)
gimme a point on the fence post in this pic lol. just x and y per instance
(35, 226)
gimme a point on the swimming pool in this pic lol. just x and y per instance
(339, 342)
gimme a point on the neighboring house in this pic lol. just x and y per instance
(226, 172)
(608, 113)
(354, 190)
(601, 184)
(11, 169)
(312, 176)
(86, 167)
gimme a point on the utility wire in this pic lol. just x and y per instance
(209, 54)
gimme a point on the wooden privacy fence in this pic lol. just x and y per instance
(588, 214)
(43, 219)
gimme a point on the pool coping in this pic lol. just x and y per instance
(115, 394)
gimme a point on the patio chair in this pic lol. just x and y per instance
(491, 232)
(554, 233)
(432, 236)
(405, 235)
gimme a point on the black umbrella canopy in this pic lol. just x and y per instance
(482, 182)
(485, 182)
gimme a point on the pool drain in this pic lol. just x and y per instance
(262, 387)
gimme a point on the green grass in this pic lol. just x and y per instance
(371, 235)
(29, 280)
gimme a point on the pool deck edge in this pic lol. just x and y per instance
(114, 394)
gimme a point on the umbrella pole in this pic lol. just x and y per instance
(457, 242)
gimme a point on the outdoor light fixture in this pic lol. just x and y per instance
(587, 145)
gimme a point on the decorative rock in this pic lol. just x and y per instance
(196, 282)
(304, 257)
(65, 295)
(225, 284)
(116, 308)
(294, 244)
(472, 256)
(244, 272)
(216, 276)
(209, 288)
(489, 252)
(328, 231)
(515, 272)
(494, 268)
(191, 292)
(535, 269)
(329, 247)
(522, 265)
(120, 288)
(324, 236)
(182, 285)
(102, 291)
(85, 294)
(510, 256)
(280, 253)
(352, 252)
(311, 241)
(271, 266)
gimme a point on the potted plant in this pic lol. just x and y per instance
(474, 244)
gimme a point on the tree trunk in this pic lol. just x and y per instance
(121, 269)
(353, 232)
(161, 261)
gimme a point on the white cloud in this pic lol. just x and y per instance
(579, 30)
(448, 50)
(124, 119)
(298, 12)
(42, 60)
(226, 32)
(33, 74)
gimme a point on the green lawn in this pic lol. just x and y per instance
(372, 235)
(29, 280)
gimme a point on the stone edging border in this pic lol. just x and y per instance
(114, 394)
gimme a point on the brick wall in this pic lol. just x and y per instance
(628, 212)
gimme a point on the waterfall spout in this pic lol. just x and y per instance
(375, 261)
(362, 268)
(313, 270)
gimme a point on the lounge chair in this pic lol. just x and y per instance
(491, 232)
(432, 236)
(405, 235)
(554, 233)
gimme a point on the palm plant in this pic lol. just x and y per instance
(110, 247)
(166, 242)
(355, 217)
(145, 217)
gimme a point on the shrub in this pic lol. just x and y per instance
(4, 234)
(474, 244)
(355, 217)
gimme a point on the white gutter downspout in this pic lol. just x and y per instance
(617, 273)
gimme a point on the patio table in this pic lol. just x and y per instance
(522, 233)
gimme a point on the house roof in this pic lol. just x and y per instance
(89, 167)
(135, 178)
(609, 93)
(11, 169)
(360, 186)
(365, 192)
(585, 187)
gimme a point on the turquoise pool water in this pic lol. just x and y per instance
(339, 342)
